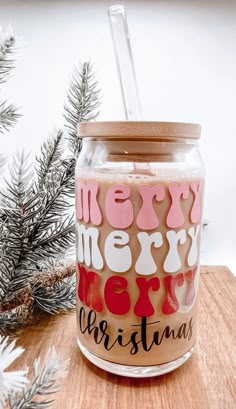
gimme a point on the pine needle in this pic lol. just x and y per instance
(11, 381)
(37, 221)
(8, 46)
(46, 381)
(8, 116)
(83, 103)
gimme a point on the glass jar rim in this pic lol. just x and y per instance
(138, 129)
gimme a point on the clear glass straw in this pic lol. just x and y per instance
(124, 61)
(126, 71)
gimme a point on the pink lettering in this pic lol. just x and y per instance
(196, 209)
(175, 217)
(147, 218)
(119, 209)
(87, 205)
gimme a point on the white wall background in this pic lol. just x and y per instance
(185, 56)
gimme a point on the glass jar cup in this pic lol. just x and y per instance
(139, 194)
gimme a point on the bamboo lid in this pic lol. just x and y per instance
(137, 129)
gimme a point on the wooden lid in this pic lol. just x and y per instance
(137, 129)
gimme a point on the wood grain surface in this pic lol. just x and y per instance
(136, 129)
(207, 380)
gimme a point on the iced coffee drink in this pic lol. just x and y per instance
(138, 224)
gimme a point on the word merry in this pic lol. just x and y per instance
(118, 300)
(119, 209)
(118, 255)
(138, 338)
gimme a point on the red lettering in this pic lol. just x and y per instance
(143, 307)
(190, 276)
(117, 298)
(117, 301)
(171, 304)
(88, 290)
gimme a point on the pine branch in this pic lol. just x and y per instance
(16, 201)
(11, 320)
(8, 47)
(31, 231)
(51, 152)
(83, 102)
(36, 224)
(11, 381)
(15, 385)
(3, 162)
(31, 227)
(45, 279)
(61, 296)
(46, 381)
(8, 112)
(8, 116)
(22, 296)
(51, 291)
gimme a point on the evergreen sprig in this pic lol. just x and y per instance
(8, 116)
(8, 46)
(3, 162)
(36, 219)
(46, 381)
(18, 390)
(11, 381)
(36, 224)
(83, 103)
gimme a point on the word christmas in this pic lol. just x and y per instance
(137, 339)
